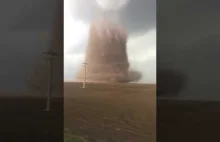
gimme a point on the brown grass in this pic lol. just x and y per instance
(111, 112)
(23, 118)
(187, 120)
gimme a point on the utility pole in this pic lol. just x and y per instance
(50, 56)
(84, 82)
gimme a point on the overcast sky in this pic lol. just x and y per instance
(188, 42)
(137, 16)
(25, 27)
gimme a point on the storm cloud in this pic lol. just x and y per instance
(187, 42)
(25, 34)
(136, 16)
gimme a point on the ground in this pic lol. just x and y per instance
(23, 118)
(188, 120)
(111, 112)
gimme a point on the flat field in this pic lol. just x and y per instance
(23, 117)
(111, 112)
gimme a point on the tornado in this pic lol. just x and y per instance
(106, 55)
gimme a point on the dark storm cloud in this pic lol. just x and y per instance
(188, 42)
(19, 51)
(137, 15)
(190, 18)
(27, 14)
(24, 26)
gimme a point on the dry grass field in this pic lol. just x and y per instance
(188, 120)
(23, 118)
(111, 112)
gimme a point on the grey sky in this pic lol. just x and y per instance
(188, 42)
(136, 16)
(26, 14)
(25, 27)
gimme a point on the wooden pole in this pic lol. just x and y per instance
(84, 82)
(49, 88)
(56, 48)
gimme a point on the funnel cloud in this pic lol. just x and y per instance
(106, 55)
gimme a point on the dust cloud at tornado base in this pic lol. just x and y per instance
(106, 55)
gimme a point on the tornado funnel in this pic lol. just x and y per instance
(106, 55)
